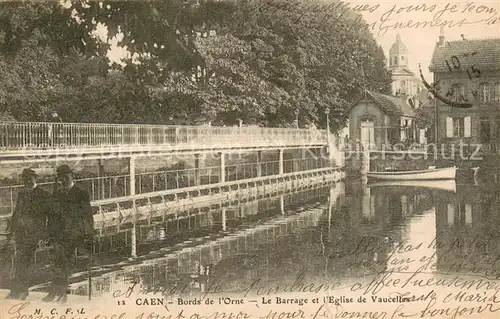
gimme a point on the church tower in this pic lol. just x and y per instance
(398, 54)
(404, 82)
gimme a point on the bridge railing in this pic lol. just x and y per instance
(106, 187)
(43, 135)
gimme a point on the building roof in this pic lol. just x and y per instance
(398, 47)
(483, 53)
(401, 70)
(389, 104)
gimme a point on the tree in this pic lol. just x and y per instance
(53, 59)
(265, 66)
(40, 43)
(271, 65)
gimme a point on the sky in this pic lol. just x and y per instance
(472, 19)
(421, 41)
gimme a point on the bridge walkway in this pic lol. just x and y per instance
(31, 141)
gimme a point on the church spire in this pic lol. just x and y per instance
(398, 54)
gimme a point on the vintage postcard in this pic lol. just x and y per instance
(237, 159)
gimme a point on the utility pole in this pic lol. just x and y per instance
(436, 120)
(327, 112)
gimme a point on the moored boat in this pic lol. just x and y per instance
(426, 174)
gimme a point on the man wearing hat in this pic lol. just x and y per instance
(28, 226)
(71, 225)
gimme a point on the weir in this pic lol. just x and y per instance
(151, 205)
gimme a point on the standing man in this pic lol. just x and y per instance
(71, 225)
(28, 226)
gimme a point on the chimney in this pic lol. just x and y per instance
(441, 36)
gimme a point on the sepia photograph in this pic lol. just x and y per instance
(237, 159)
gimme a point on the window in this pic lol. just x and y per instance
(460, 212)
(484, 130)
(484, 92)
(403, 87)
(458, 91)
(458, 126)
(495, 94)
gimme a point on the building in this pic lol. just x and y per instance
(378, 121)
(405, 84)
(468, 71)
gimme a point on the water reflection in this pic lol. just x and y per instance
(179, 254)
(211, 221)
(467, 233)
(343, 233)
(351, 235)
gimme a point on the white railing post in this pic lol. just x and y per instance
(280, 162)
(133, 240)
(197, 165)
(131, 171)
(222, 177)
(259, 164)
(224, 220)
(282, 204)
(136, 134)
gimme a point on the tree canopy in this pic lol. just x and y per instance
(189, 62)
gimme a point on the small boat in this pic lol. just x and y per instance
(444, 185)
(426, 174)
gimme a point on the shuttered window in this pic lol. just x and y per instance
(449, 127)
(496, 93)
(458, 126)
(467, 126)
(484, 92)
(458, 91)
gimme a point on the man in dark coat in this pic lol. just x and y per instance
(71, 225)
(28, 226)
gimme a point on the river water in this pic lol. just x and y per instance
(337, 235)
(348, 238)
